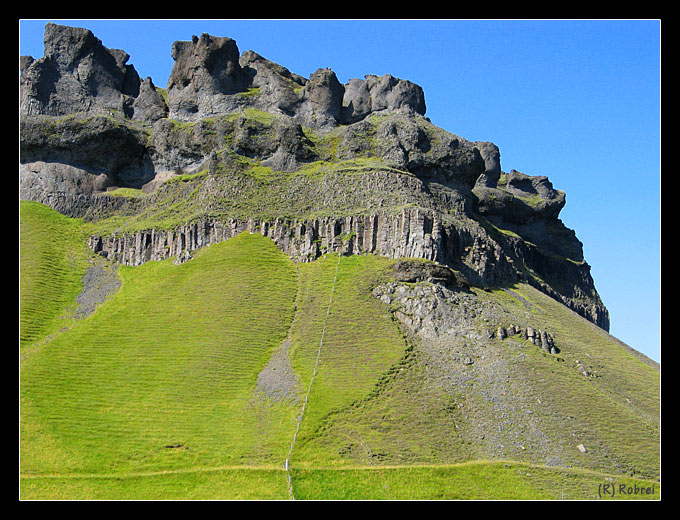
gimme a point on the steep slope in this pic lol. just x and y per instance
(52, 266)
(197, 372)
(245, 140)
(163, 375)
(460, 394)
(257, 285)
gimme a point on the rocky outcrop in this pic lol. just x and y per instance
(415, 145)
(209, 77)
(204, 77)
(78, 74)
(80, 78)
(149, 105)
(62, 187)
(538, 337)
(361, 97)
(97, 144)
(413, 271)
(492, 164)
(315, 165)
(409, 234)
(478, 258)
(273, 88)
(65, 161)
(427, 310)
(517, 198)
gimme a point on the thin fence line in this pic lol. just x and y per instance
(311, 381)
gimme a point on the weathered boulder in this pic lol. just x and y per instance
(204, 76)
(411, 143)
(492, 164)
(390, 92)
(518, 198)
(279, 142)
(65, 188)
(419, 271)
(361, 97)
(322, 96)
(550, 201)
(356, 100)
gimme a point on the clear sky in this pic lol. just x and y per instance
(576, 100)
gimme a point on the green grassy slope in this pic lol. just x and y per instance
(172, 360)
(490, 480)
(616, 409)
(486, 480)
(521, 403)
(241, 483)
(53, 262)
(360, 344)
(155, 395)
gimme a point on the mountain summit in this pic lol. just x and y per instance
(91, 125)
(254, 284)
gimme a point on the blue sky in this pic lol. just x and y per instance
(576, 100)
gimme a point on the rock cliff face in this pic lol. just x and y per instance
(238, 143)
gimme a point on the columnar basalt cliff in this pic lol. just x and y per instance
(238, 143)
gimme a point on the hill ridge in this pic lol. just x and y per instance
(322, 432)
(254, 269)
(250, 140)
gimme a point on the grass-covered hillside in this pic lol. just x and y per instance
(242, 375)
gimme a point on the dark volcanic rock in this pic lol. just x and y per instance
(492, 164)
(210, 78)
(389, 92)
(356, 100)
(361, 97)
(413, 144)
(519, 199)
(205, 75)
(275, 88)
(357, 168)
(323, 96)
(149, 105)
(420, 271)
(79, 74)
(98, 144)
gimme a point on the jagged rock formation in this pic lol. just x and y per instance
(78, 74)
(210, 77)
(313, 164)
(426, 310)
